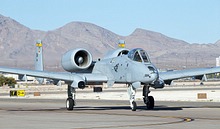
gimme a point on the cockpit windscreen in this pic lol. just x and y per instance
(138, 55)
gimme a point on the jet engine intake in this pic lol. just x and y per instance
(76, 60)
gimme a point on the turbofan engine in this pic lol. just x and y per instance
(76, 60)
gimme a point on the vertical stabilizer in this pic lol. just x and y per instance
(39, 59)
(121, 44)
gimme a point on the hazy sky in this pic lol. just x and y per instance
(189, 20)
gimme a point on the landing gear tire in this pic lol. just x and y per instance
(70, 104)
(134, 106)
(150, 103)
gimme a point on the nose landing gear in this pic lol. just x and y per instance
(131, 93)
(148, 100)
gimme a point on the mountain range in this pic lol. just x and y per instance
(17, 45)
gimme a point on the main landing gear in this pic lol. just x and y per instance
(70, 102)
(148, 100)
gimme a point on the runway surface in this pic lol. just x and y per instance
(169, 93)
(24, 113)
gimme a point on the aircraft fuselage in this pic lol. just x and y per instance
(121, 69)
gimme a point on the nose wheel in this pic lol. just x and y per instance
(134, 106)
(131, 93)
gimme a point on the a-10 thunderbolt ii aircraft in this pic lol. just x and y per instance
(132, 67)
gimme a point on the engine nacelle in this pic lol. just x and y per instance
(76, 60)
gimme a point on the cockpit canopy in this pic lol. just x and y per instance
(138, 55)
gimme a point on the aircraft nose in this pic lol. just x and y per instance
(153, 72)
(152, 69)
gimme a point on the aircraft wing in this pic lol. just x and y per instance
(197, 72)
(64, 76)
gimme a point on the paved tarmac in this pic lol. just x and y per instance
(26, 113)
(169, 93)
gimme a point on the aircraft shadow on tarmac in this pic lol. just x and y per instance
(105, 108)
(93, 108)
(156, 108)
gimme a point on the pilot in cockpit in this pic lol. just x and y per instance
(137, 57)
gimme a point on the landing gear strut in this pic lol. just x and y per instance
(131, 93)
(70, 102)
(148, 100)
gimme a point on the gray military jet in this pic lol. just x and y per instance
(131, 67)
